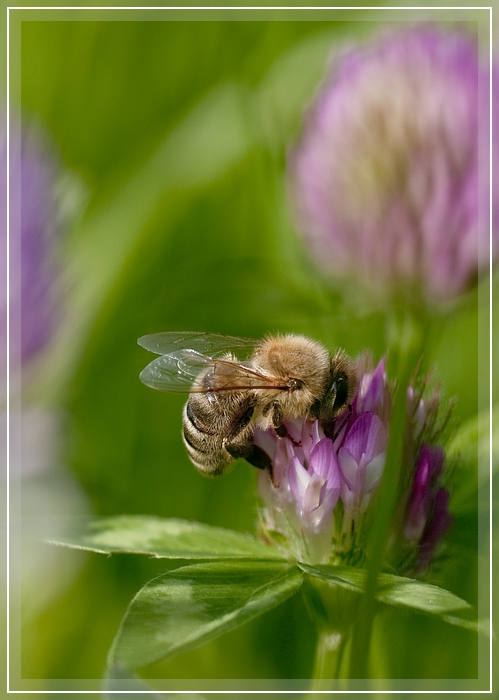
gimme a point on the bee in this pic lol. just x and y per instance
(284, 377)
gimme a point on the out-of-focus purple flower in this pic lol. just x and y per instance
(428, 467)
(439, 522)
(32, 225)
(324, 477)
(428, 517)
(32, 287)
(390, 181)
(418, 408)
(34, 431)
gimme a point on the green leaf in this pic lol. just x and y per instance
(405, 593)
(191, 605)
(161, 538)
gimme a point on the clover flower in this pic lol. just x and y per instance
(390, 180)
(324, 479)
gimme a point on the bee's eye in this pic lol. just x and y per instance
(341, 394)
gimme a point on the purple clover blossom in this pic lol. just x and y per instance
(390, 180)
(321, 487)
(311, 472)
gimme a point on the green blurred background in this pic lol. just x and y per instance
(173, 137)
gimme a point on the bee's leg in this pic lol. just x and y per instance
(255, 456)
(242, 418)
(276, 419)
(278, 423)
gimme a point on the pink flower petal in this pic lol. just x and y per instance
(299, 479)
(374, 471)
(348, 467)
(313, 495)
(322, 459)
(367, 438)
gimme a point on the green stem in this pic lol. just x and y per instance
(327, 655)
(406, 338)
(332, 608)
(327, 662)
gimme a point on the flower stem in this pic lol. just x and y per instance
(332, 608)
(327, 662)
(407, 338)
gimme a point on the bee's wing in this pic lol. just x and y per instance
(175, 371)
(210, 344)
(178, 370)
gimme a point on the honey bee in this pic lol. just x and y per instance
(284, 377)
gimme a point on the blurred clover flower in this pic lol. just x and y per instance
(32, 232)
(318, 496)
(390, 182)
(35, 313)
(428, 518)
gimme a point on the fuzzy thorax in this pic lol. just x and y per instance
(302, 363)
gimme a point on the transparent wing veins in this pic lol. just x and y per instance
(210, 344)
(178, 370)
